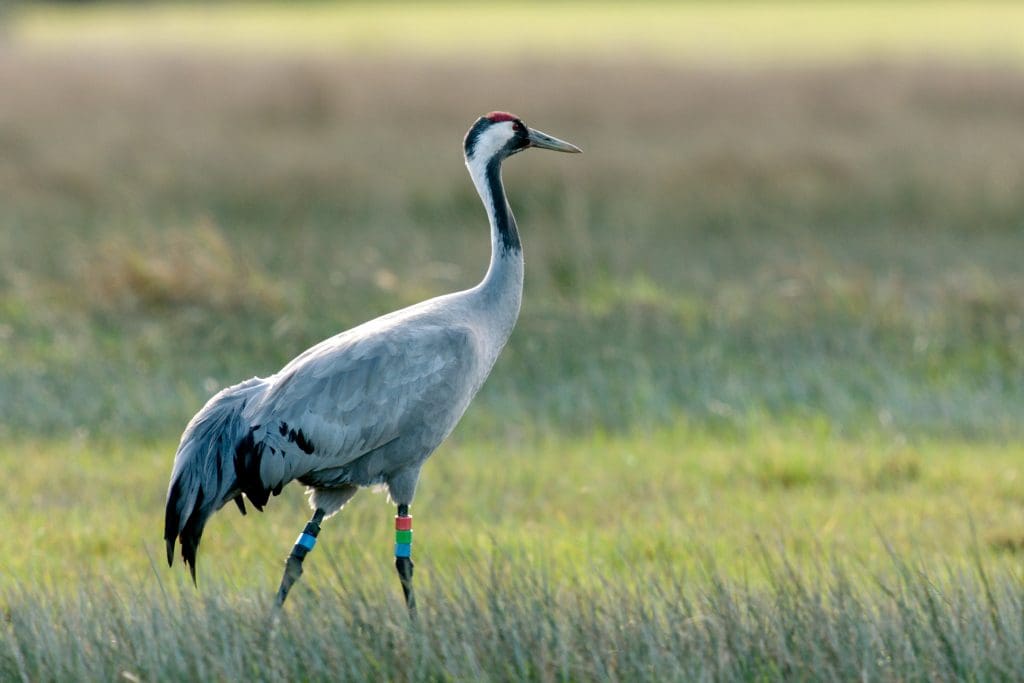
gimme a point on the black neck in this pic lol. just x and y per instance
(503, 218)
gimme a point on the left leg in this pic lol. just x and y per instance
(402, 487)
(403, 554)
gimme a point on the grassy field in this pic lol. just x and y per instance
(762, 417)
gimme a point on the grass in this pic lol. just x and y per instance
(772, 306)
(625, 503)
(513, 620)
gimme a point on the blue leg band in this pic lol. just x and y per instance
(306, 541)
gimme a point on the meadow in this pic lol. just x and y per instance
(761, 417)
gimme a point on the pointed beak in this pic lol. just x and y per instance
(543, 141)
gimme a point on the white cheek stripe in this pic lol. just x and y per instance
(492, 140)
(487, 145)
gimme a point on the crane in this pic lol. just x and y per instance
(367, 406)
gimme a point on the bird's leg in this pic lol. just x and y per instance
(403, 553)
(303, 544)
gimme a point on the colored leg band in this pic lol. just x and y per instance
(403, 536)
(306, 540)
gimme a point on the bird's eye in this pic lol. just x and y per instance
(517, 126)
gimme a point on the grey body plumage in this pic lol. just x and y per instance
(367, 406)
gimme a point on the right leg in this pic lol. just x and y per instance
(325, 501)
(303, 544)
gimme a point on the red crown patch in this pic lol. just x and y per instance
(496, 116)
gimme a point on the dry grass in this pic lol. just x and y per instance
(194, 267)
(744, 30)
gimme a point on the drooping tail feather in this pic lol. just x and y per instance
(204, 476)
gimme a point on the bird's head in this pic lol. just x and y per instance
(499, 134)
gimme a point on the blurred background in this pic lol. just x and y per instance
(784, 283)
